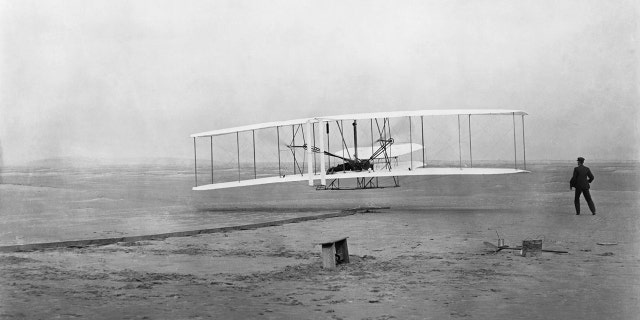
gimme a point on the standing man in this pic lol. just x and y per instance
(581, 179)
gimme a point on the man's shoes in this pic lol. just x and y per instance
(593, 214)
(577, 214)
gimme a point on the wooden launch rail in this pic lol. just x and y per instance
(107, 241)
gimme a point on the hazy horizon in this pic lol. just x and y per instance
(119, 80)
(204, 164)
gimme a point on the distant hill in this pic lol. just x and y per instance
(91, 162)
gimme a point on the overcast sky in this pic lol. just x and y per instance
(132, 79)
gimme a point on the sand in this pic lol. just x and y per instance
(422, 258)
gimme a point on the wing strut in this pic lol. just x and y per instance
(278, 143)
(293, 151)
(355, 140)
(293, 141)
(524, 149)
(470, 153)
(382, 148)
(344, 144)
(238, 145)
(255, 173)
(309, 154)
(410, 145)
(328, 142)
(371, 126)
(383, 137)
(195, 160)
(313, 125)
(515, 151)
(459, 143)
(323, 179)
(424, 161)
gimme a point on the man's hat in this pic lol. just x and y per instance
(580, 159)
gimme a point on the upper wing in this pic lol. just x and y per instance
(251, 127)
(419, 113)
(360, 116)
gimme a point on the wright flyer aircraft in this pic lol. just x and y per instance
(362, 151)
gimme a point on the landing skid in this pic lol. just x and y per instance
(362, 183)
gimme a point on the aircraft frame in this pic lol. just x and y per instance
(357, 162)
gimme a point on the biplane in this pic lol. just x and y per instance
(381, 145)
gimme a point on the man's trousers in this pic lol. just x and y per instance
(587, 196)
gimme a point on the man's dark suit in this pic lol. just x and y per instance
(582, 176)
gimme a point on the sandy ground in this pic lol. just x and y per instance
(423, 258)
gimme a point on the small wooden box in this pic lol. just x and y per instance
(334, 252)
